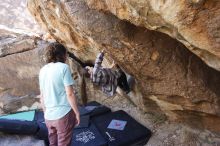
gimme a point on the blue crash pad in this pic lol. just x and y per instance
(23, 116)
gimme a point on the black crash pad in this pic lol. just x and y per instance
(133, 134)
(84, 122)
(42, 132)
(39, 116)
(98, 110)
(88, 137)
(18, 126)
(83, 111)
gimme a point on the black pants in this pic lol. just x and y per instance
(123, 83)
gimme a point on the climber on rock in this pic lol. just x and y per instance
(108, 78)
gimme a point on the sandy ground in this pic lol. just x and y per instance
(18, 140)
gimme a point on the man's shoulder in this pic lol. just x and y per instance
(43, 68)
(63, 65)
(42, 71)
(55, 66)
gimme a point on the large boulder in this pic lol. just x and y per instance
(169, 78)
(195, 23)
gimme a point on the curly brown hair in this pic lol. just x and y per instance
(56, 52)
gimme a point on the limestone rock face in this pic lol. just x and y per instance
(19, 67)
(169, 78)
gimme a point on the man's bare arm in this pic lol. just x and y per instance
(72, 101)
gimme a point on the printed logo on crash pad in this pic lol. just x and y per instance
(85, 136)
(117, 124)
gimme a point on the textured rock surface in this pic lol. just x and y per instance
(193, 22)
(15, 16)
(170, 79)
(19, 67)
